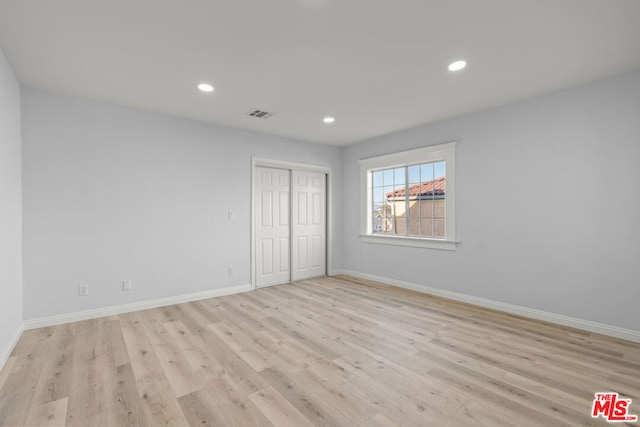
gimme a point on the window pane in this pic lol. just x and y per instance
(426, 172)
(439, 209)
(426, 227)
(387, 219)
(388, 177)
(398, 175)
(400, 226)
(426, 208)
(380, 214)
(414, 226)
(414, 174)
(439, 228)
(400, 207)
(378, 195)
(439, 170)
(376, 222)
(377, 179)
(387, 209)
(414, 208)
(388, 192)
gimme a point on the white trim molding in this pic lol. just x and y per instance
(7, 352)
(128, 308)
(415, 242)
(585, 325)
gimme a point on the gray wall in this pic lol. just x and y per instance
(548, 205)
(10, 208)
(112, 193)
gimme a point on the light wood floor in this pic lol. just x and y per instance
(332, 352)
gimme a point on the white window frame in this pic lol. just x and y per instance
(434, 153)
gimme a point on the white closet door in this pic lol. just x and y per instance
(271, 198)
(309, 225)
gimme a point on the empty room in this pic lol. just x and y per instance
(319, 213)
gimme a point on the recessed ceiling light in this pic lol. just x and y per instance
(205, 87)
(328, 120)
(457, 65)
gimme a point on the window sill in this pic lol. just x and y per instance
(446, 245)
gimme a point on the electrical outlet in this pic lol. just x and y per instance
(126, 285)
(230, 271)
(83, 290)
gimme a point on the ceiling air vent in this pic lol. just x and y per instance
(260, 114)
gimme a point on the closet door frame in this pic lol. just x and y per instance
(278, 164)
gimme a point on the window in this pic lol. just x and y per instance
(407, 198)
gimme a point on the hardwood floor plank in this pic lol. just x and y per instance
(113, 343)
(325, 345)
(8, 367)
(304, 399)
(123, 405)
(544, 414)
(230, 367)
(32, 340)
(481, 414)
(441, 356)
(55, 377)
(88, 379)
(190, 345)
(153, 386)
(402, 409)
(148, 372)
(277, 409)
(328, 390)
(209, 313)
(182, 378)
(436, 399)
(193, 319)
(49, 414)
(379, 420)
(201, 410)
(296, 355)
(164, 410)
(18, 390)
(241, 344)
(235, 406)
(577, 404)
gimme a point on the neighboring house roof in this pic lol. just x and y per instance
(437, 187)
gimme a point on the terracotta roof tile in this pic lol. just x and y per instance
(435, 187)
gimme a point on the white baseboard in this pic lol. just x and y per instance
(586, 325)
(7, 351)
(127, 308)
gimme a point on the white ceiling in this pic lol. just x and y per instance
(378, 66)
